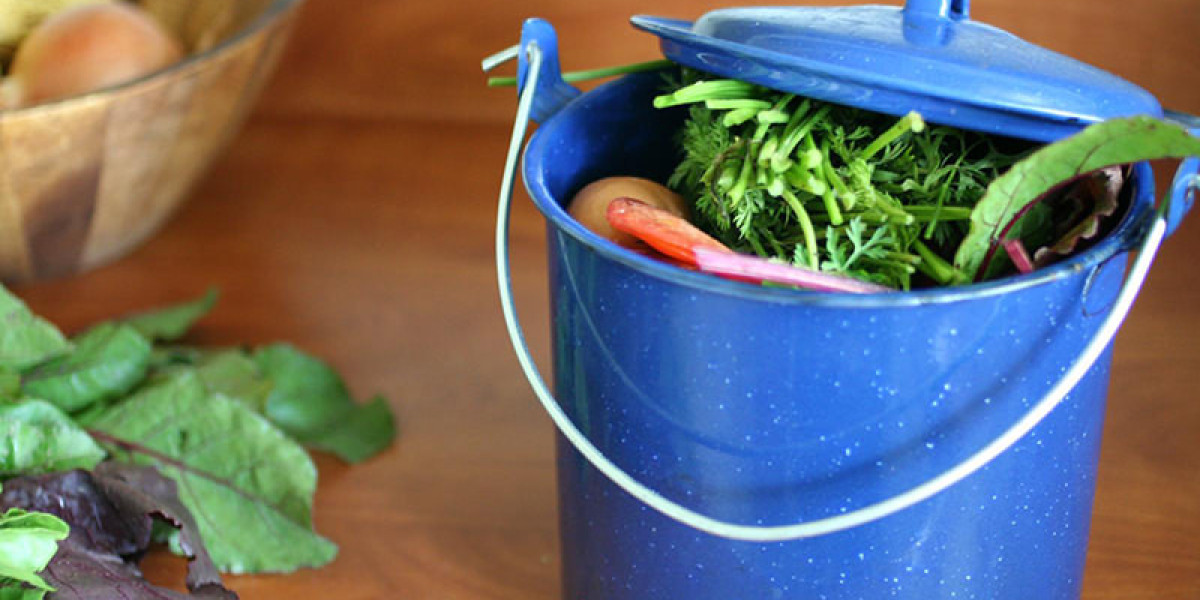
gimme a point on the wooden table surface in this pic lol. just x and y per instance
(353, 216)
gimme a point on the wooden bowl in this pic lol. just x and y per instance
(87, 179)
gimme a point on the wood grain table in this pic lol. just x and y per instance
(353, 216)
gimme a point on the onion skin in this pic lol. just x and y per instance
(19, 17)
(87, 48)
(590, 205)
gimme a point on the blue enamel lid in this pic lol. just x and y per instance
(928, 56)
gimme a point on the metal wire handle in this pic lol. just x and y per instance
(861, 516)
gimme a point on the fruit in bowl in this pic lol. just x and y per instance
(19, 17)
(86, 48)
(110, 111)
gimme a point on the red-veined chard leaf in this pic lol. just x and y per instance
(248, 484)
(36, 437)
(1113, 142)
(1099, 195)
(26, 339)
(80, 574)
(112, 512)
(106, 362)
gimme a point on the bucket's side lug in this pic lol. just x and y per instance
(1183, 192)
(1187, 177)
(551, 93)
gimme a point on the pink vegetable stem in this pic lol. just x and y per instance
(1020, 258)
(755, 269)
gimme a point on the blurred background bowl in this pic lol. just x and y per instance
(87, 179)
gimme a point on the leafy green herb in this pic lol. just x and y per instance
(250, 484)
(36, 437)
(1011, 196)
(25, 339)
(28, 541)
(829, 187)
(170, 323)
(107, 361)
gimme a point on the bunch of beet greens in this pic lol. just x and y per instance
(120, 436)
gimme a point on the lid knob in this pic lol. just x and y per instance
(942, 9)
(931, 22)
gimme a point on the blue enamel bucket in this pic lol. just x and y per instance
(720, 440)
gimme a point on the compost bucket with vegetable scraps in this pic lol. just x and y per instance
(725, 440)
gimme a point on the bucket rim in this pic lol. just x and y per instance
(535, 166)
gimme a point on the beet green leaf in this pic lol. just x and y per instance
(107, 361)
(249, 485)
(36, 437)
(311, 403)
(25, 339)
(1008, 197)
(234, 374)
(170, 323)
(10, 384)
